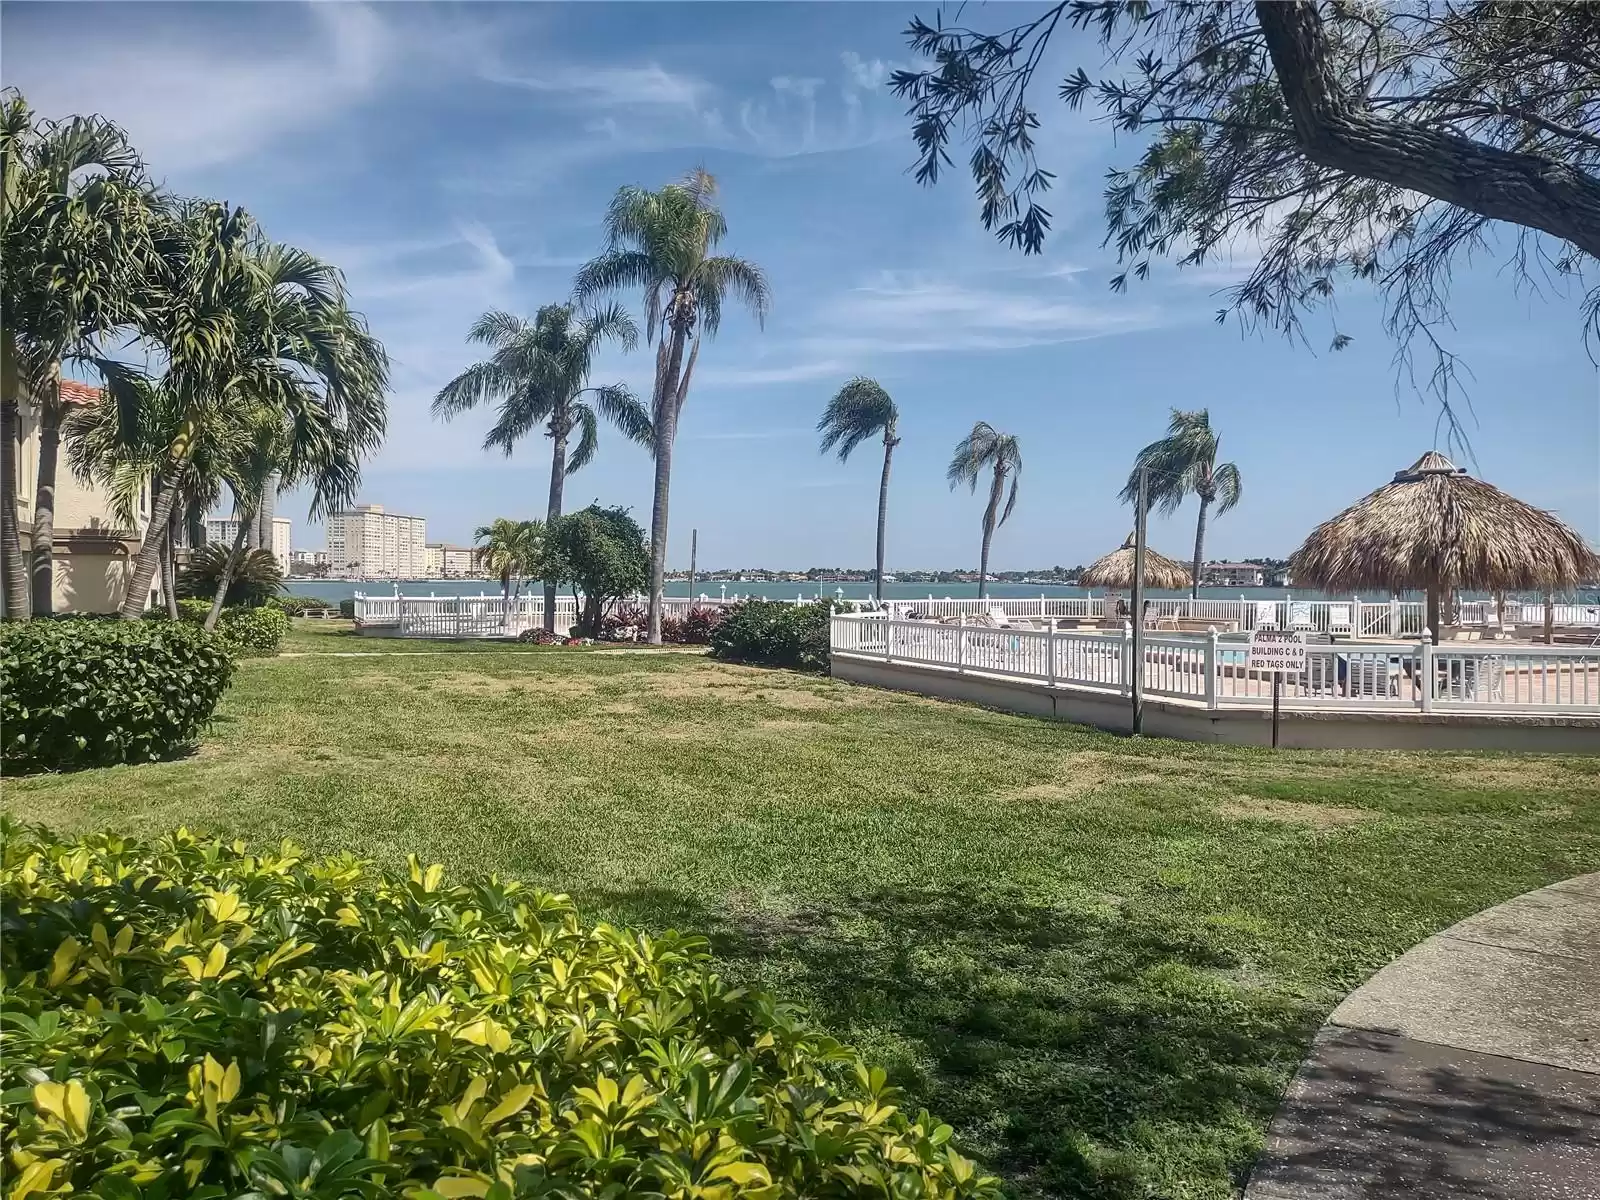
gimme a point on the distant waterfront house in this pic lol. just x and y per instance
(93, 552)
(1230, 574)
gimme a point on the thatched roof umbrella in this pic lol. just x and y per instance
(1434, 527)
(1115, 570)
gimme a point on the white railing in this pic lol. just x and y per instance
(1212, 669)
(485, 616)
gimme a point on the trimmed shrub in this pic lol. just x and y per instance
(256, 576)
(672, 629)
(775, 634)
(253, 632)
(93, 693)
(698, 624)
(297, 606)
(189, 1019)
(539, 637)
(616, 625)
(347, 609)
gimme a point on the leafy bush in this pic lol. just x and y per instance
(601, 551)
(616, 623)
(92, 693)
(539, 637)
(774, 634)
(256, 576)
(297, 606)
(347, 609)
(671, 629)
(253, 632)
(188, 1019)
(698, 624)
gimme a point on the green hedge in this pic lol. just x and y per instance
(774, 634)
(90, 693)
(246, 632)
(190, 1019)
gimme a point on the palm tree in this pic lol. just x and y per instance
(1182, 464)
(538, 372)
(511, 550)
(74, 241)
(859, 410)
(987, 449)
(245, 326)
(662, 242)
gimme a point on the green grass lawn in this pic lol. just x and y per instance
(1099, 958)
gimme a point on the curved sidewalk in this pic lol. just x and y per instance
(1468, 1067)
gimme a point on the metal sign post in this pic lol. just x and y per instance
(1279, 652)
(1138, 601)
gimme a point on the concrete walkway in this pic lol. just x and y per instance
(1468, 1067)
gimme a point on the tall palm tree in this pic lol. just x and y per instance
(246, 325)
(539, 372)
(987, 449)
(1182, 464)
(511, 550)
(74, 242)
(861, 409)
(661, 242)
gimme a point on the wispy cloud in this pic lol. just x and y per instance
(608, 86)
(811, 368)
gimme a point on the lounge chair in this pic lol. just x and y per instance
(1266, 614)
(1300, 616)
(1339, 620)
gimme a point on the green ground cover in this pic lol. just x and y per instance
(1100, 959)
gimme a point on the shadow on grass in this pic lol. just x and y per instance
(1085, 1052)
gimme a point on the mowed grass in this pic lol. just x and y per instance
(1100, 959)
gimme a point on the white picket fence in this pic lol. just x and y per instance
(1211, 669)
(487, 616)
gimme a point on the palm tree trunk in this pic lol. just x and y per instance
(11, 565)
(42, 553)
(883, 511)
(169, 564)
(1199, 548)
(194, 518)
(229, 566)
(558, 481)
(155, 535)
(995, 492)
(1432, 616)
(666, 415)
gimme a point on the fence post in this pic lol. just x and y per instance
(1212, 668)
(1425, 656)
(1041, 604)
(1050, 654)
(888, 641)
(961, 643)
(1127, 658)
(1394, 616)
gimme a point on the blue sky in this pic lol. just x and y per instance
(453, 159)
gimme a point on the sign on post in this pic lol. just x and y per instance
(1279, 652)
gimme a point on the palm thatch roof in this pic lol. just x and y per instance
(1115, 570)
(1436, 527)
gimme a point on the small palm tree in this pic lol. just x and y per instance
(74, 239)
(1182, 464)
(859, 410)
(987, 449)
(511, 550)
(539, 372)
(661, 242)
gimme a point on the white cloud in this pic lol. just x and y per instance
(609, 86)
(866, 74)
(747, 435)
(189, 105)
(788, 373)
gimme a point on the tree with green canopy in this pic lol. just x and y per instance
(539, 373)
(602, 553)
(987, 449)
(75, 209)
(661, 242)
(1184, 464)
(1326, 140)
(861, 409)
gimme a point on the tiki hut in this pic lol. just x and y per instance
(1115, 570)
(1435, 528)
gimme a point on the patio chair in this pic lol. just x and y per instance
(1266, 614)
(1339, 621)
(1300, 616)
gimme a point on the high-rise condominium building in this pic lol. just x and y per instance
(368, 542)
(222, 530)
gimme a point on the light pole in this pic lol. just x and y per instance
(1138, 603)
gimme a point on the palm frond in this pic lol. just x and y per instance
(613, 271)
(618, 405)
(861, 409)
(588, 440)
(726, 275)
(497, 328)
(1228, 487)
